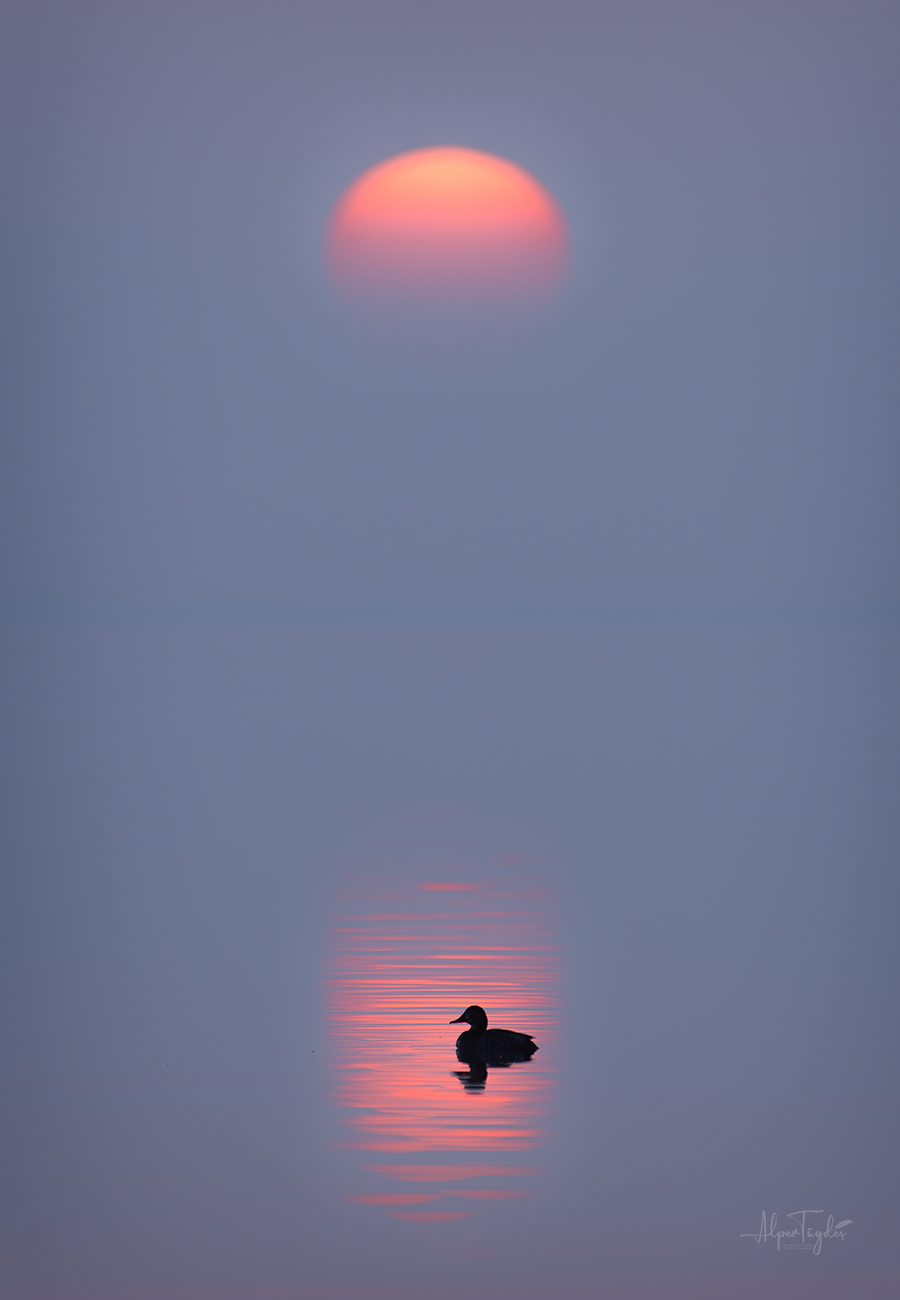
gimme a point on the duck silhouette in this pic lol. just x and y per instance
(480, 1046)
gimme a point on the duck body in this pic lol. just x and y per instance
(491, 1046)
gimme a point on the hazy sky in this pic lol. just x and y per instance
(603, 604)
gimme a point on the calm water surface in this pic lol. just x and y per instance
(436, 1141)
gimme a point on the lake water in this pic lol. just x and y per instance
(240, 942)
(442, 1141)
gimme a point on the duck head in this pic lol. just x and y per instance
(473, 1016)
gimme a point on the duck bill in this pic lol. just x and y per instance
(460, 1020)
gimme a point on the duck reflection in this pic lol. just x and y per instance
(473, 1079)
(480, 1047)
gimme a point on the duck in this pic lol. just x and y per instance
(491, 1046)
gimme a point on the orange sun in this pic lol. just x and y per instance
(447, 223)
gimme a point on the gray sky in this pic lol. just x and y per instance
(289, 597)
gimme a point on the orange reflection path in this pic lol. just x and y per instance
(397, 978)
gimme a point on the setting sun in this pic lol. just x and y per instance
(447, 222)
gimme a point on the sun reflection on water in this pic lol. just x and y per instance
(397, 978)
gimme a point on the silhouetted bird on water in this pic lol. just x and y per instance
(480, 1045)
